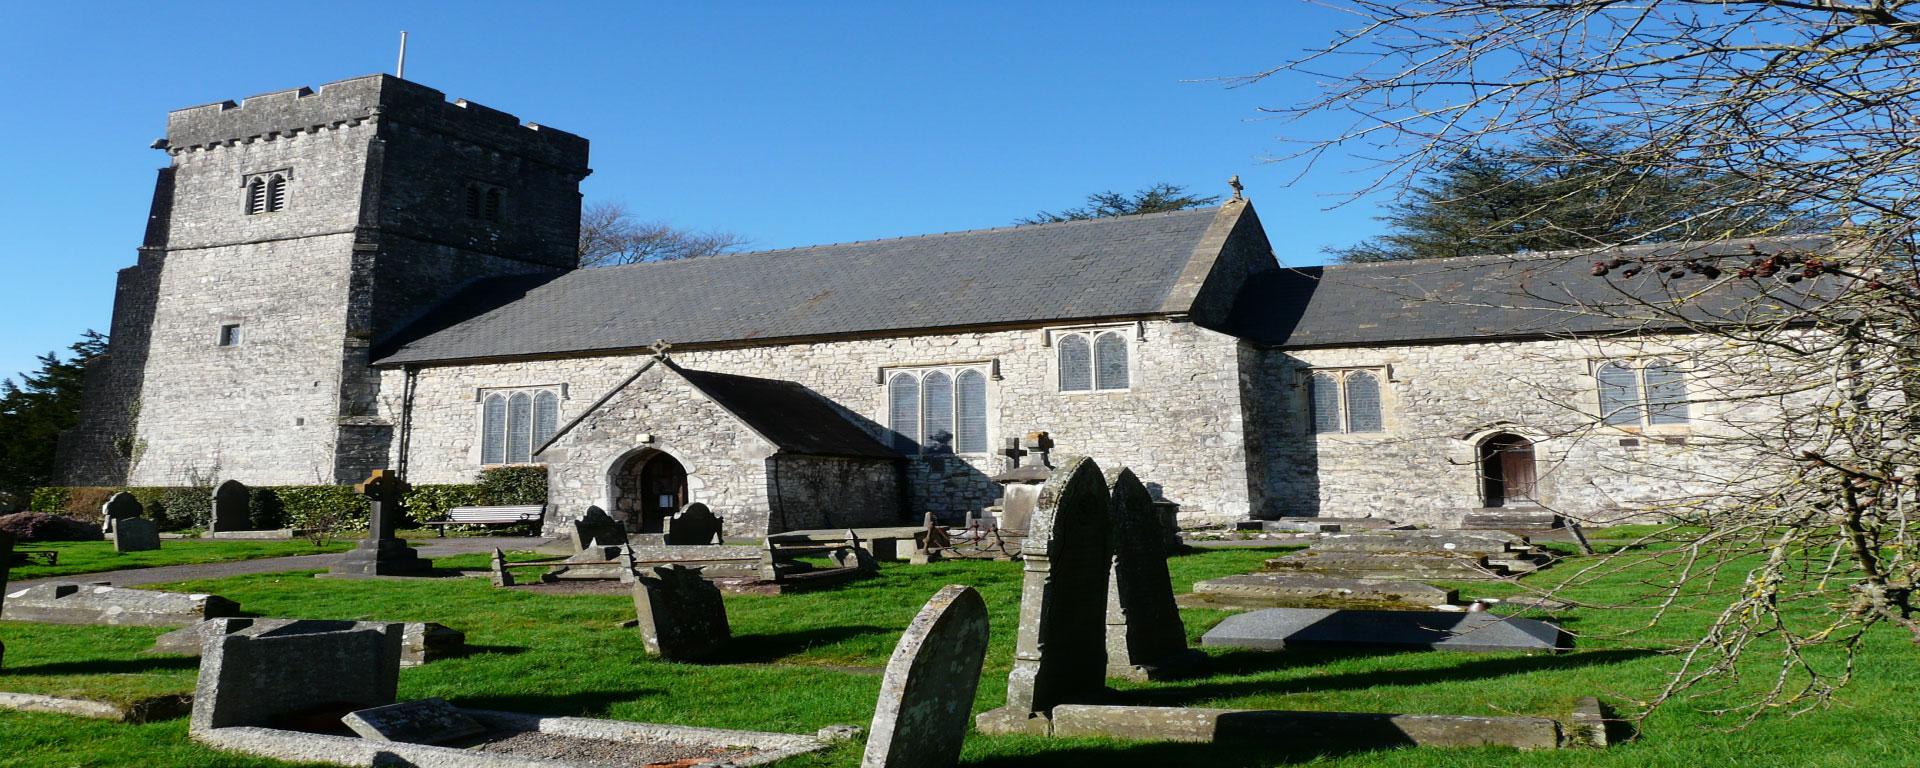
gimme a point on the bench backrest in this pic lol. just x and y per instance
(513, 513)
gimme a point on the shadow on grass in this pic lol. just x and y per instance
(580, 704)
(109, 666)
(1245, 663)
(766, 648)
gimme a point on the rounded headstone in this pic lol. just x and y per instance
(927, 692)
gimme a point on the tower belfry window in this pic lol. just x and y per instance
(484, 201)
(267, 192)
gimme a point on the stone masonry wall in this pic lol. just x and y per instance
(1440, 400)
(812, 492)
(1179, 426)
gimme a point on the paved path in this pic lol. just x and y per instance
(168, 573)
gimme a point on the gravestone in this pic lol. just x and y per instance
(69, 603)
(694, 524)
(275, 679)
(1145, 638)
(420, 641)
(596, 526)
(927, 691)
(135, 534)
(119, 506)
(6, 564)
(427, 721)
(681, 615)
(1275, 629)
(1060, 648)
(230, 511)
(382, 553)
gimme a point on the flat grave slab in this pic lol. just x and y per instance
(1474, 542)
(1386, 565)
(427, 721)
(1276, 629)
(69, 603)
(1306, 590)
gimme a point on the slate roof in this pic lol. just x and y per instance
(1481, 297)
(1081, 270)
(789, 415)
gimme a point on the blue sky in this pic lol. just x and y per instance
(787, 123)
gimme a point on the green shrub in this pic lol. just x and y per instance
(513, 485)
(187, 507)
(431, 502)
(49, 500)
(323, 507)
(84, 502)
(264, 510)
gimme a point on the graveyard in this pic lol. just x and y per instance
(797, 663)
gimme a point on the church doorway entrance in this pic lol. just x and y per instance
(1508, 477)
(652, 486)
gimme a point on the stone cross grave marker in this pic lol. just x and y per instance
(1060, 647)
(135, 534)
(119, 506)
(427, 721)
(261, 680)
(693, 524)
(381, 553)
(681, 615)
(230, 511)
(597, 526)
(1145, 638)
(927, 691)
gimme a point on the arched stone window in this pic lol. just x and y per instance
(491, 212)
(1110, 361)
(267, 192)
(519, 428)
(1363, 402)
(493, 430)
(1619, 394)
(276, 192)
(1324, 390)
(903, 410)
(256, 196)
(1666, 393)
(936, 400)
(970, 405)
(1076, 364)
(546, 416)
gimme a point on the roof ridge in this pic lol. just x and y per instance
(1210, 210)
(1570, 252)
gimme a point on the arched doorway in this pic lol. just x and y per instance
(1508, 477)
(649, 488)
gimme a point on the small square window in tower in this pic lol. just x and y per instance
(230, 335)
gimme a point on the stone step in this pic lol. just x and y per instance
(1386, 565)
(1505, 519)
(1279, 589)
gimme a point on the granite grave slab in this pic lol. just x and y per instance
(1276, 629)
(427, 721)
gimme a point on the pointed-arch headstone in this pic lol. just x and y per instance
(1060, 651)
(1145, 638)
(693, 524)
(920, 719)
(230, 511)
(119, 506)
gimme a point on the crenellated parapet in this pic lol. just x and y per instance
(373, 98)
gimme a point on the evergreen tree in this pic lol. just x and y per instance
(1578, 188)
(1153, 199)
(34, 412)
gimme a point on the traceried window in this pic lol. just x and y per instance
(267, 192)
(1636, 394)
(514, 423)
(1093, 361)
(938, 410)
(1345, 401)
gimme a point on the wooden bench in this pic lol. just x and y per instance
(513, 514)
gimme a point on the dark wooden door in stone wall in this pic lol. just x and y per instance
(663, 491)
(1507, 472)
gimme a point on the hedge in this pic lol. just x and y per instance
(332, 507)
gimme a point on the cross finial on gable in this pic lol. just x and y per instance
(660, 347)
(1235, 183)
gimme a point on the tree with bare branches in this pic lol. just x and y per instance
(610, 235)
(1792, 117)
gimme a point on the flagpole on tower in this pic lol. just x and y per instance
(400, 70)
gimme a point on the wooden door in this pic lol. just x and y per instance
(663, 491)
(1517, 472)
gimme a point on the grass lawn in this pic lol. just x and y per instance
(800, 662)
(97, 556)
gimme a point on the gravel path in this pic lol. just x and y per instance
(168, 573)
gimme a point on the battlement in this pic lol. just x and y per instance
(272, 115)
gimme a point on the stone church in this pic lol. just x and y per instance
(369, 275)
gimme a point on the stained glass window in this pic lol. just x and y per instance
(1324, 390)
(937, 405)
(493, 430)
(903, 410)
(1076, 374)
(519, 428)
(1110, 361)
(971, 399)
(546, 416)
(1363, 402)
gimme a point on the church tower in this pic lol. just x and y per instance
(288, 235)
